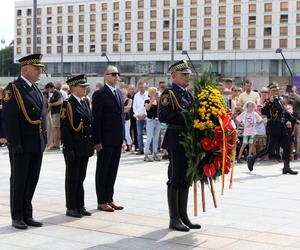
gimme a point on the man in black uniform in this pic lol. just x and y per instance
(78, 145)
(173, 102)
(24, 120)
(277, 129)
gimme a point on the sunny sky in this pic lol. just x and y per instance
(7, 21)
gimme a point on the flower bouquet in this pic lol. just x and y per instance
(210, 139)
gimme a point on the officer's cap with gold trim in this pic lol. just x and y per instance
(33, 59)
(181, 67)
(273, 85)
(79, 80)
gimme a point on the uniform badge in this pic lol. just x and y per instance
(165, 100)
(7, 95)
(63, 113)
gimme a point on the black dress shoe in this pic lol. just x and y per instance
(84, 212)
(289, 171)
(33, 223)
(73, 213)
(19, 224)
(177, 224)
(250, 162)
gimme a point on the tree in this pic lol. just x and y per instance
(7, 65)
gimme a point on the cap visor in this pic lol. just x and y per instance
(38, 65)
(185, 71)
(84, 84)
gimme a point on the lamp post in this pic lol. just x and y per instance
(105, 55)
(34, 26)
(2, 57)
(184, 52)
(234, 46)
(279, 51)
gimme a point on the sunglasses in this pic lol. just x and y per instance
(114, 74)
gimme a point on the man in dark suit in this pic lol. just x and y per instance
(108, 126)
(24, 120)
(78, 145)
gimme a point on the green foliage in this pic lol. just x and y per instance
(7, 65)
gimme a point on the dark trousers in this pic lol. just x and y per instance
(75, 176)
(106, 172)
(25, 172)
(133, 131)
(177, 169)
(281, 140)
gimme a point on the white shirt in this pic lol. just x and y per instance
(77, 98)
(64, 94)
(111, 88)
(27, 81)
(139, 104)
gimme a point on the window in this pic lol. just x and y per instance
(179, 23)
(153, 3)
(283, 43)
(179, 12)
(166, 35)
(38, 30)
(222, 21)
(252, 8)
(81, 28)
(140, 3)
(127, 47)
(283, 31)
(194, 2)
(28, 31)
(18, 50)
(104, 38)
(92, 38)
(128, 5)
(267, 31)
(49, 40)
(284, 18)
(70, 29)
(81, 48)
(128, 15)
(221, 44)
(207, 10)
(49, 50)
(237, 9)
(103, 48)
(298, 43)
(81, 38)
(222, 9)
(59, 29)
(298, 18)
(207, 22)
(59, 20)
(19, 22)
(152, 46)
(179, 2)
(19, 12)
(153, 13)
(207, 45)
(28, 12)
(59, 10)
(19, 41)
(222, 32)
(140, 36)
(103, 27)
(39, 50)
(140, 14)
(70, 49)
(237, 20)
(92, 7)
(166, 24)
(140, 25)
(92, 18)
(251, 32)
(179, 46)
(49, 30)
(116, 37)
(39, 11)
(236, 44)
(166, 46)
(49, 11)
(92, 48)
(70, 9)
(127, 36)
(28, 40)
(267, 43)
(193, 23)
(252, 20)
(115, 47)
(193, 34)
(127, 26)
(268, 7)
(298, 30)
(284, 6)
(28, 21)
(116, 16)
(92, 28)
(179, 34)
(81, 8)
(193, 45)
(116, 6)
(152, 35)
(166, 3)
(251, 44)
(81, 18)
(236, 32)
(28, 50)
(207, 33)
(153, 25)
(167, 13)
(38, 40)
(193, 12)
(268, 19)
(70, 19)
(140, 47)
(70, 39)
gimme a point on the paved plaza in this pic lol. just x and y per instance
(262, 211)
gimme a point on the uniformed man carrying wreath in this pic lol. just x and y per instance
(78, 145)
(24, 120)
(173, 102)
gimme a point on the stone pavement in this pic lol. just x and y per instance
(260, 212)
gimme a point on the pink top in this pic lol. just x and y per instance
(249, 120)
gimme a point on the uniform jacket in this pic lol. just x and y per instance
(81, 141)
(172, 114)
(18, 130)
(108, 118)
(277, 116)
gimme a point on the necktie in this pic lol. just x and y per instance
(35, 94)
(83, 104)
(117, 98)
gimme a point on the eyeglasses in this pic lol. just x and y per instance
(114, 74)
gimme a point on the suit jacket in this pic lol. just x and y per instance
(80, 142)
(108, 118)
(172, 115)
(18, 130)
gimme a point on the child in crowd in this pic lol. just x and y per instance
(249, 118)
(260, 138)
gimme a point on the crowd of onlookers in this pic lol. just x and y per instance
(144, 133)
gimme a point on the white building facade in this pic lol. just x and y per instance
(237, 37)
